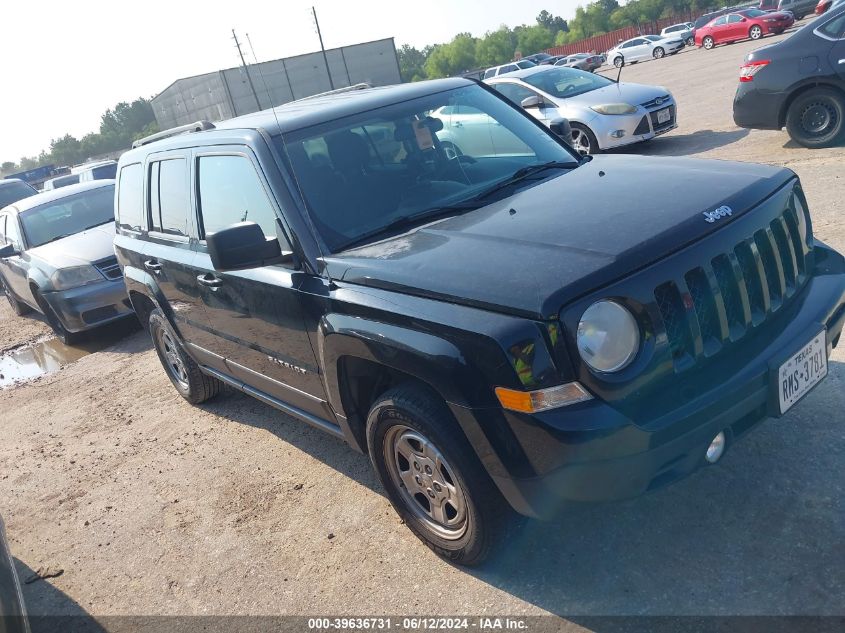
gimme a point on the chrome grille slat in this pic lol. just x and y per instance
(718, 303)
(110, 268)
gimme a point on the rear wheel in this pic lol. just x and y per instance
(193, 385)
(658, 52)
(18, 307)
(708, 43)
(755, 32)
(432, 476)
(817, 118)
(690, 41)
(583, 140)
(62, 333)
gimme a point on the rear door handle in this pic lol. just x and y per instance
(842, 61)
(153, 265)
(209, 280)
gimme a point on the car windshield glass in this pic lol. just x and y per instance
(563, 82)
(753, 13)
(13, 192)
(67, 216)
(653, 38)
(363, 174)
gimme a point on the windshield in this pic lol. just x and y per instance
(563, 82)
(360, 174)
(68, 215)
(14, 191)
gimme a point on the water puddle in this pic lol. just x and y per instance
(48, 355)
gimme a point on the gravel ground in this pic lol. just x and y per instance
(151, 506)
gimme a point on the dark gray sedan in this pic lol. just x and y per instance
(57, 257)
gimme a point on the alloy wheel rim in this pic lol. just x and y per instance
(581, 142)
(173, 360)
(427, 483)
(818, 118)
(756, 33)
(617, 62)
(708, 43)
(658, 53)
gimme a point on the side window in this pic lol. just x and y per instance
(129, 207)
(490, 72)
(734, 18)
(835, 28)
(514, 92)
(229, 192)
(721, 21)
(12, 233)
(169, 197)
(507, 69)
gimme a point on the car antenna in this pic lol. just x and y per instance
(619, 72)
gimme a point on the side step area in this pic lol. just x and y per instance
(284, 407)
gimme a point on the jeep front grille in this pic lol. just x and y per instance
(722, 300)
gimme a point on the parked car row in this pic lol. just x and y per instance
(746, 24)
(102, 170)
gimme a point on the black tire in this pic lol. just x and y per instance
(618, 61)
(18, 306)
(193, 385)
(62, 333)
(708, 43)
(816, 118)
(658, 53)
(755, 32)
(583, 140)
(398, 417)
(690, 41)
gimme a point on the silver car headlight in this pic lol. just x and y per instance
(75, 276)
(614, 108)
(608, 336)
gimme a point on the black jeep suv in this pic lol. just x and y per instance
(497, 322)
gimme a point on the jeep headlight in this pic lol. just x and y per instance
(608, 336)
(75, 276)
(614, 108)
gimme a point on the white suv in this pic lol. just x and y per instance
(683, 30)
(508, 68)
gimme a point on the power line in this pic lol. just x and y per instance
(246, 69)
(322, 48)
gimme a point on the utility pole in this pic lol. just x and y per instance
(246, 70)
(322, 48)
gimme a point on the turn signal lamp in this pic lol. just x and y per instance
(542, 399)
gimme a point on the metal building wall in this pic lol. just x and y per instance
(227, 93)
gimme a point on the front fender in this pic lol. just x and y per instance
(141, 282)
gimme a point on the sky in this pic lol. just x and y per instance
(65, 63)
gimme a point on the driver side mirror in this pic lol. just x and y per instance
(531, 102)
(562, 128)
(8, 250)
(244, 245)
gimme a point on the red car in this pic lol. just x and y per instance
(748, 24)
(823, 6)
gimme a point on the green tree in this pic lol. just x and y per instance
(553, 23)
(533, 39)
(66, 150)
(495, 47)
(125, 120)
(453, 58)
(7, 167)
(411, 63)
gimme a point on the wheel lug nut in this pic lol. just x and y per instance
(438, 487)
(419, 481)
(431, 493)
(416, 465)
(428, 470)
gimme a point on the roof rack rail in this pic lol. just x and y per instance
(360, 86)
(197, 126)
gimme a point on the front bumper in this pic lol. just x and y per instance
(591, 452)
(637, 127)
(90, 306)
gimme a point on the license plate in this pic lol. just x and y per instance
(663, 115)
(802, 372)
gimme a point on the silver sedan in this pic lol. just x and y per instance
(603, 114)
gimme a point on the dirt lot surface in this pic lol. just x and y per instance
(152, 506)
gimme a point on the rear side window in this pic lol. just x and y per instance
(834, 29)
(129, 205)
(230, 191)
(169, 197)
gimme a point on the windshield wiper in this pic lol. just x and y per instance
(521, 174)
(410, 221)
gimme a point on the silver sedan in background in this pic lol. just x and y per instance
(603, 114)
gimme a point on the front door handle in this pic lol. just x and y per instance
(209, 280)
(457, 124)
(842, 61)
(153, 265)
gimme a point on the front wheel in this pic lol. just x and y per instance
(658, 52)
(583, 140)
(432, 476)
(755, 32)
(18, 307)
(62, 333)
(817, 118)
(708, 43)
(690, 41)
(193, 385)
(618, 61)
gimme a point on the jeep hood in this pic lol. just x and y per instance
(535, 251)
